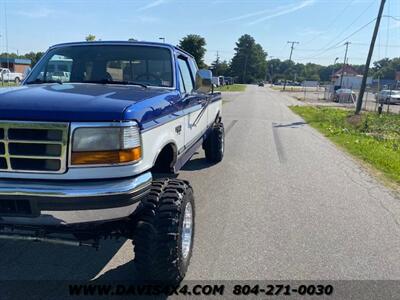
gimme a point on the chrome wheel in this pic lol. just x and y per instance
(187, 230)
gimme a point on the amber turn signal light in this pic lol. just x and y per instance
(106, 157)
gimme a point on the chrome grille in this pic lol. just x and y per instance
(33, 147)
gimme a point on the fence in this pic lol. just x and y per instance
(370, 102)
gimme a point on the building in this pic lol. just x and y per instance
(350, 79)
(17, 65)
(346, 70)
(352, 82)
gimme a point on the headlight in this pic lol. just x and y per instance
(105, 145)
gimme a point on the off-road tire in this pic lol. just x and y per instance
(214, 143)
(158, 234)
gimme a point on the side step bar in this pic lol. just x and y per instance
(53, 240)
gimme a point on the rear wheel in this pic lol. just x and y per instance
(214, 145)
(164, 233)
(17, 80)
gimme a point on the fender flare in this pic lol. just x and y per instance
(174, 149)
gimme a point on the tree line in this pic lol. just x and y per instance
(249, 63)
(33, 56)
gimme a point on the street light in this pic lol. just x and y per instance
(333, 69)
(162, 38)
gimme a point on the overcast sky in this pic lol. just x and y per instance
(321, 26)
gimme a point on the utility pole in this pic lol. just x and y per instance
(290, 58)
(344, 63)
(266, 70)
(216, 64)
(370, 52)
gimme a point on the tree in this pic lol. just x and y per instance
(219, 67)
(274, 70)
(90, 38)
(386, 68)
(249, 62)
(195, 45)
(34, 57)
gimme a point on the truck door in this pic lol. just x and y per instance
(193, 103)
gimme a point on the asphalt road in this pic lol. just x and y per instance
(284, 203)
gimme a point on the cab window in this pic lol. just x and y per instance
(186, 75)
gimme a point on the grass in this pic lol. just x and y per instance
(231, 88)
(8, 84)
(373, 138)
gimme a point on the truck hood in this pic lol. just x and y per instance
(76, 102)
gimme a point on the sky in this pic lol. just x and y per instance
(320, 26)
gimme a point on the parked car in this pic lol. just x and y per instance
(261, 83)
(86, 158)
(7, 75)
(344, 96)
(215, 81)
(221, 80)
(228, 80)
(388, 97)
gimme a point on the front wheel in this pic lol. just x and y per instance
(214, 145)
(164, 233)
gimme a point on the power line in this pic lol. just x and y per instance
(320, 54)
(346, 38)
(327, 46)
(391, 17)
(387, 29)
(366, 44)
(334, 20)
(357, 31)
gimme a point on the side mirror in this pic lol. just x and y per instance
(203, 81)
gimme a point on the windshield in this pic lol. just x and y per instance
(106, 64)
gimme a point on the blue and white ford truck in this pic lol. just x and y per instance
(81, 155)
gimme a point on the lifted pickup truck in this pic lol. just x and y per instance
(81, 160)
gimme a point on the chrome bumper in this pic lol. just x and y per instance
(73, 202)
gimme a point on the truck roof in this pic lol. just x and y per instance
(128, 43)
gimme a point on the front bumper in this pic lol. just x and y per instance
(54, 203)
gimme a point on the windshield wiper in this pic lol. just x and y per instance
(110, 81)
(44, 81)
